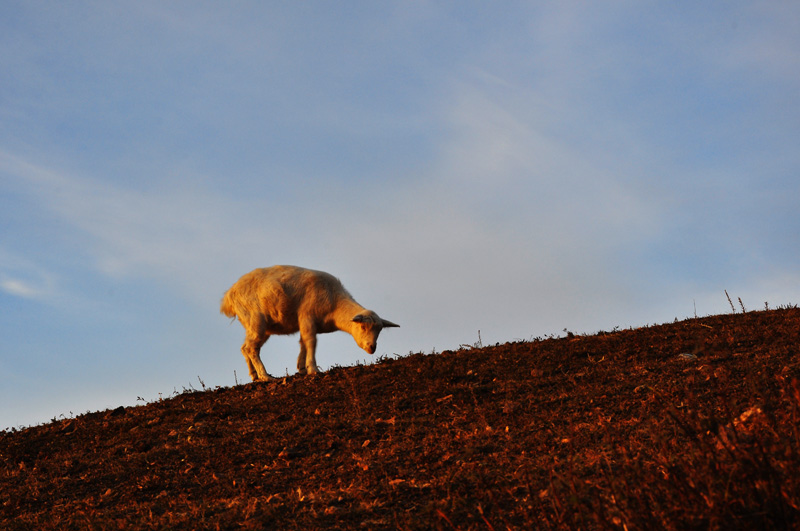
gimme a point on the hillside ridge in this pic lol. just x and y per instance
(686, 424)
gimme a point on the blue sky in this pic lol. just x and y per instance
(460, 166)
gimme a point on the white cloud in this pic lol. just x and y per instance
(19, 288)
(182, 235)
(22, 277)
(511, 230)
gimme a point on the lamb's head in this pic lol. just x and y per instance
(368, 327)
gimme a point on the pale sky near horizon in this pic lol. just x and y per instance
(461, 167)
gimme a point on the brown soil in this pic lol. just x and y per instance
(693, 424)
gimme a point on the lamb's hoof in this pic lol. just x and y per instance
(301, 372)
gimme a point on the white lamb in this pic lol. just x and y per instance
(288, 299)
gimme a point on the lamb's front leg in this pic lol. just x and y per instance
(307, 361)
(301, 359)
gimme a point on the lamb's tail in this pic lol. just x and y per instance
(228, 307)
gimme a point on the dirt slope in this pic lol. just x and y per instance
(693, 424)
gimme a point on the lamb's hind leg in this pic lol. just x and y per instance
(251, 350)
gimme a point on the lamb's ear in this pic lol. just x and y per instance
(389, 324)
(358, 318)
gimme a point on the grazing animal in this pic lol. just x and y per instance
(288, 299)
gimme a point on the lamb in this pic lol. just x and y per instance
(288, 299)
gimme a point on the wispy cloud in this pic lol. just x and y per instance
(127, 232)
(19, 288)
(22, 277)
